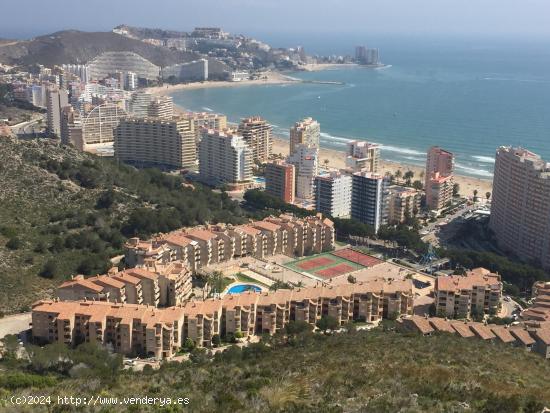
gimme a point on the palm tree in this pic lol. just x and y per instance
(398, 174)
(487, 195)
(408, 177)
(326, 162)
(475, 195)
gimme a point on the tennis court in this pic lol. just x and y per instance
(357, 257)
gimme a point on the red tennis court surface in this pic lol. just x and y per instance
(334, 271)
(315, 263)
(357, 257)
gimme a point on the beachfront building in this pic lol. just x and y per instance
(155, 284)
(362, 156)
(206, 120)
(403, 203)
(280, 180)
(257, 135)
(477, 292)
(306, 161)
(369, 199)
(111, 62)
(143, 105)
(438, 178)
(305, 132)
(56, 100)
(439, 192)
(195, 71)
(333, 194)
(520, 204)
(205, 245)
(224, 158)
(156, 142)
(160, 332)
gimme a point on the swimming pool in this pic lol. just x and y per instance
(241, 288)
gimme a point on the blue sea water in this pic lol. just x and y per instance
(466, 95)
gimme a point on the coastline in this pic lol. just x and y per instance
(335, 157)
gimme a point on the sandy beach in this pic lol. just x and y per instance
(267, 78)
(337, 161)
(336, 158)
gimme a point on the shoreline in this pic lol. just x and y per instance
(335, 157)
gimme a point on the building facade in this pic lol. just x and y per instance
(257, 135)
(157, 141)
(438, 177)
(439, 192)
(224, 158)
(305, 132)
(333, 194)
(280, 180)
(477, 292)
(369, 199)
(306, 161)
(56, 100)
(403, 203)
(142, 330)
(362, 156)
(520, 204)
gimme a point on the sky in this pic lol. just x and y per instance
(27, 18)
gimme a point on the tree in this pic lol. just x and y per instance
(408, 177)
(11, 345)
(326, 162)
(49, 270)
(475, 195)
(417, 185)
(216, 340)
(398, 174)
(487, 195)
(352, 279)
(456, 190)
(13, 243)
(327, 323)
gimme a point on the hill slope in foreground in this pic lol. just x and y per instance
(376, 371)
(64, 212)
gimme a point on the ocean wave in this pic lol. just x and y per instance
(206, 108)
(473, 171)
(398, 149)
(484, 159)
(335, 138)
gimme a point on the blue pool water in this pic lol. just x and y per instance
(241, 288)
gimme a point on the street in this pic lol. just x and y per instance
(14, 324)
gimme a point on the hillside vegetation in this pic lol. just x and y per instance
(64, 212)
(376, 371)
(73, 46)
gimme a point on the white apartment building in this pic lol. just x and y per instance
(333, 194)
(306, 162)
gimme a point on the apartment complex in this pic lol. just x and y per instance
(403, 203)
(439, 178)
(206, 120)
(144, 330)
(56, 100)
(224, 157)
(256, 132)
(333, 194)
(205, 245)
(159, 285)
(520, 206)
(157, 142)
(305, 132)
(439, 192)
(362, 156)
(479, 291)
(146, 105)
(369, 199)
(306, 161)
(280, 180)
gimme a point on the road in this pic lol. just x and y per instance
(14, 324)
(28, 128)
(508, 308)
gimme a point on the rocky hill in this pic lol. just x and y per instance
(64, 212)
(73, 46)
(148, 33)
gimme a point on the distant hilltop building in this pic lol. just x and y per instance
(209, 32)
(196, 71)
(520, 205)
(305, 132)
(112, 62)
(439, 178)
(362, 156)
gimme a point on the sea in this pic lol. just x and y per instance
(468, 95)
